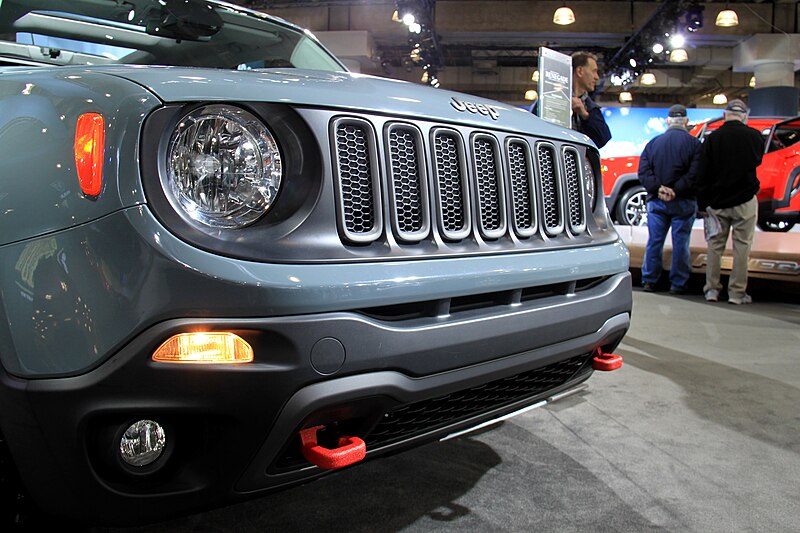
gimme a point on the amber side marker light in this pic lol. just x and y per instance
(90, 141)
(218, 347)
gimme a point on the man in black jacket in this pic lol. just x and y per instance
(667, 170)
(587, 117)
(728, 186)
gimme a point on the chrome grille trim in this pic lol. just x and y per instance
(407, 182)
(357, 179)
(550, 186)
(435, 186)
(451, 186)
(490, 197)
(573, 179)
(525, 215)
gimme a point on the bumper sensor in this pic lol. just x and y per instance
(350, 450)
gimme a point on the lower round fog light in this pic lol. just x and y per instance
(142, 443)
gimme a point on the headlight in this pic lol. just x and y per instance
(589, 181)
(223, 168)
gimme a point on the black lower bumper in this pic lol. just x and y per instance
(232, 430)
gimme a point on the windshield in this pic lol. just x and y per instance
(195, 33)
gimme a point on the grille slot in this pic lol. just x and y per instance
(451, 184)
(575, 205)
(355, 158)
(417, 418)
(520, 175)
(551, 192)
(408, 186)
(489, 187)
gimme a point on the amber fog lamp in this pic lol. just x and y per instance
(89, 148)
(204, 348)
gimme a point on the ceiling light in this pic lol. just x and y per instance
(625, 96)
(677, 41)
(719, 99)
(425, 77)
(563, 16)
(535, 76)
(409, 19)
(396, 16)
(658, 48)
(632, 62)
(727, 18)
(414, 28)
(531, 94)
(648, 78)
(678, 55)
(752, 81)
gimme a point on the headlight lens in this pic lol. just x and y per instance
(590, 181)
(224, 168)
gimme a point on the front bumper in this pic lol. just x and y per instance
(232, 430)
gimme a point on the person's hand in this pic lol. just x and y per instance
(666, 194)
(578, 108)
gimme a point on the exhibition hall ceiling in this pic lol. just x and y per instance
(490, 47)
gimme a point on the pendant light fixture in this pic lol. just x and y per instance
(625, 97)
(678, 55)
(727, 18)
(719, 99)
(648, 78)
(563, 16)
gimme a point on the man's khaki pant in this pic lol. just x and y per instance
(741, 219)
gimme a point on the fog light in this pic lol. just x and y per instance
(142, 443)
(204, 348)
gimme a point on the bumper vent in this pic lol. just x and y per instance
(414, 419)
(489, 187)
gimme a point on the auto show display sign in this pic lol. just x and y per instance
(555, 87)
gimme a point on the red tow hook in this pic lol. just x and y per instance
(351, 450)
(606, 361)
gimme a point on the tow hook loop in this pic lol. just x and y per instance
(351, 450)
(606, 361)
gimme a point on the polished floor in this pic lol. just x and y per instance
(698, 432)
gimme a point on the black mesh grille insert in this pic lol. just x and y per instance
(573, 188)
(416, 418)
(520, 186)
(355, 178)
(487, 179)
(405, 169)
(549, 184)
(449, 177)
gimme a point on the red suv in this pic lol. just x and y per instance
(779, 174)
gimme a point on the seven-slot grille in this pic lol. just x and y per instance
(517, 183)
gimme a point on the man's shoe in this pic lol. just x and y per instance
(649, 287)
(712, 295)
(746, 299)
(677, 290)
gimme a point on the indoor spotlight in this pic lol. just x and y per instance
(632, 62)
(678, 55)
(677, 41)
(727, 18)
(648, 78)
(719, 99)
(658, 48)
(563, 16)
(409, 19)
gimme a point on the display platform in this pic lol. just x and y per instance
(774, 255)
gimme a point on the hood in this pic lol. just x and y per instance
(338, 90)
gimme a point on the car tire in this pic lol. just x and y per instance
(780, 226)
(631, 209)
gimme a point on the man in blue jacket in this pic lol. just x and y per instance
(587, 117)
(668, 170)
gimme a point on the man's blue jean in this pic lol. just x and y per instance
(677, 215)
